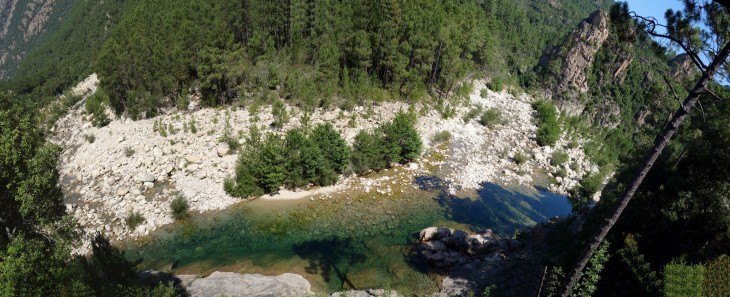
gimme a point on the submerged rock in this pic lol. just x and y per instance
(236, 284)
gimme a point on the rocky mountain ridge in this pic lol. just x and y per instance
(21, 23)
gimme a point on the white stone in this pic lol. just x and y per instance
(145, 177)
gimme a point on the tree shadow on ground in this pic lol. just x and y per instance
(330, 256)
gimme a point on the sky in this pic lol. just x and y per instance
(655, 8)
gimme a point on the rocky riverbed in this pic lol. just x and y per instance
(129, 166)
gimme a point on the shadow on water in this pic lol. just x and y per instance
(503, 210)
(496, 207)
(324, 257)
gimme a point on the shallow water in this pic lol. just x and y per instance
(355, 241)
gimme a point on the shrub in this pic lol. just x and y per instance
(496, 84)
(683, 280)
(716, 282)
(484, 93)
(521, 158)
(281, 116)
(548, 127)
(128, 151)
(473, 113)
(402, 141)
(367, 153)
(133, 220)
(90, 137)
(441, 137)
(95, 106)
(590, 184)
(231, 141)
(561, 173)
(334, 149)
(305, 161)
(491, 117)
(559, 158)
(261, 166)
(180, 208)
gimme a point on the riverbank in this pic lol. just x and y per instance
(130, 166)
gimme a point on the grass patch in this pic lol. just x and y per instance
(90, 138)
(441, 137)
(128, 151)
(473, 113)
(520, 158)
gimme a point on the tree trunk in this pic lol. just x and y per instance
(659, 144)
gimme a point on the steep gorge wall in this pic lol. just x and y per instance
(23, 23)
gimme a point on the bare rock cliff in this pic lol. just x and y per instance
(577, 53)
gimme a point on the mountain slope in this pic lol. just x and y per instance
(25, 24)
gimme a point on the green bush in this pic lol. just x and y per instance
(281, 116)
(230, 140)
(561, 173)
(484, 93)
(491, 118)
(559, 158)
(96, 107)
(717, 274)
(496, 84)
(590, 184)
(401, 139)
(368, 153)
(683, 280)
(180, 208)
(133, 220)
(306, 163)
(548, 127)
(334, 149)
(441, 137)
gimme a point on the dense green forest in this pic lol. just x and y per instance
(313, 53)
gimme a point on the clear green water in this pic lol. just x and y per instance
(338, 243)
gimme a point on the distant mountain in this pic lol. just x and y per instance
(25, 24)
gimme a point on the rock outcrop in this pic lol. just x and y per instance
(682, 67)
(577, 53)
(447, 248)
(253, 285)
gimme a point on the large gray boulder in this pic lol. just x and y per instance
(249, 285)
